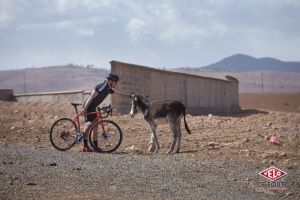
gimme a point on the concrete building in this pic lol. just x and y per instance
(199, 94)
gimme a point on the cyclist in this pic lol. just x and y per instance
(97, 96)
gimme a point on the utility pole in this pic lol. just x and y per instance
(262, 82)
(24, 79)
(272, 84)
(35, 84)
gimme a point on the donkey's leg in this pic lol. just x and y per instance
(178, 138)
(172, 124)
(154, 141)
(179, 133)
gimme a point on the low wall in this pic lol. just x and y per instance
(199, 94)
(66, 96)
(78, 96)
(6, 95)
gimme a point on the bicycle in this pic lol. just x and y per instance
(65, 132)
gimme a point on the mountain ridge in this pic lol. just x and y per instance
(246, 63)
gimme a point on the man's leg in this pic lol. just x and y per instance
(87, 125)
(95, 136)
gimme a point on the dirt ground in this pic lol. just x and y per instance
(243, 136)
(273, 102)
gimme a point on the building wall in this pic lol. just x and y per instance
(199, 94)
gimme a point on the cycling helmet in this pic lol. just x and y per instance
(113, 77)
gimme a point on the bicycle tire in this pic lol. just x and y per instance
(103, 142)
(63, 138)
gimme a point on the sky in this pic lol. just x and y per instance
(156, 33)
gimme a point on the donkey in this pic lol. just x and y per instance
(173, 111)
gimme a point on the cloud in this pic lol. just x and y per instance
(181, 32)
(171, 22)
(63, 24)
(85, 33)
(159, 27)
(136, 29)
(63, 6)
(6, 12)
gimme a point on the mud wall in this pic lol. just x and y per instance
(199, 94)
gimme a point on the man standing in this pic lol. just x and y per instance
(97, 96)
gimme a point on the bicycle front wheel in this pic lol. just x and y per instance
(108, 139)
(63, 134)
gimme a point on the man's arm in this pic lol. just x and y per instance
(122, 94)
(88, 102)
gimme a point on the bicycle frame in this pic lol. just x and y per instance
(98, 118)
(65, 129)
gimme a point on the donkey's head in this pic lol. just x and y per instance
(138, 103)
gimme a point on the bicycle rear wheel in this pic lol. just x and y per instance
(109, 139)
(63, 134)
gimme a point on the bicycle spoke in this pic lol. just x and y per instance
(108, 139)
(63, 133)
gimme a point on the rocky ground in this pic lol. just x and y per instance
(221, 159)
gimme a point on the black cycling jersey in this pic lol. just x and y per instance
(103, 91)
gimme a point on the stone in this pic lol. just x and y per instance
(53, 165)
(269, 124)
(213, 146)
(283, 155)
(31, 184)
(132, 149)
(246, 140)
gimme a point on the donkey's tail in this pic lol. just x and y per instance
(185, 124)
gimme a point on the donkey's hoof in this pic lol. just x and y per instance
(170, 152)
(152, 149)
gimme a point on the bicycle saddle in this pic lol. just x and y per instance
(76, 104)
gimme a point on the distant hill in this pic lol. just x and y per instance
(254, 74)
(70, 77)
(48, 79)
(245, 63)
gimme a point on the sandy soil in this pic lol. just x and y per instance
(273, 102)
(242, 137)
